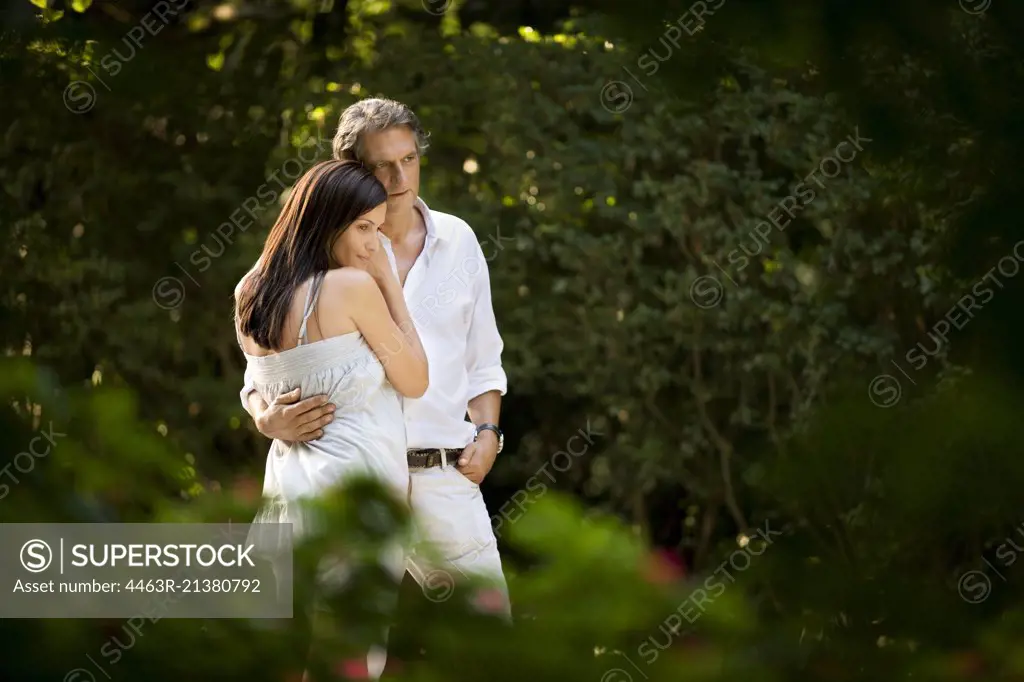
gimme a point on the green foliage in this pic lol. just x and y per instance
(115, 468)
(720, 362)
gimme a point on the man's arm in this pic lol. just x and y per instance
(251, 400)
(487, 380)
(286, 418)
(484, 344)
(256, 405)
(485, 409)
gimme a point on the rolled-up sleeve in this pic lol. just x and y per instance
(484, 345)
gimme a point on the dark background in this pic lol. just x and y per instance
(771, 405)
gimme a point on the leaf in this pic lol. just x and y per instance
(215, 61)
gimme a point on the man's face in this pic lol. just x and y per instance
(391, 155)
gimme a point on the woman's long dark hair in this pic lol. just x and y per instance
(321, 206)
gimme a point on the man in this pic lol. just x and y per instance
(445, 280)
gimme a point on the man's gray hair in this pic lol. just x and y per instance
(370, 116)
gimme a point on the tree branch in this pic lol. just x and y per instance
(725, 450)
(707, 528)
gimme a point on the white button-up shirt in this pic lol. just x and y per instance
(448, 292)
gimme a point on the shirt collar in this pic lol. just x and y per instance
(435, 231)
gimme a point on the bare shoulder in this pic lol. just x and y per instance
(346, 280)
(241, 283)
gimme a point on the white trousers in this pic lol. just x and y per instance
(453, 542)
(453, 537)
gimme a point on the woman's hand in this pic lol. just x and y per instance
(379, 267)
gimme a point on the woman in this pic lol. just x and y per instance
(324, 312)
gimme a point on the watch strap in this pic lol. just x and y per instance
(495, 429)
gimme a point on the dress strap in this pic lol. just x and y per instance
(312, 294)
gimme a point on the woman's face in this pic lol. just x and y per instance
(356, 244)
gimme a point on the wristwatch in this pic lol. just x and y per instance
(497, 432)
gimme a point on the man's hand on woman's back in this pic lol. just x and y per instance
(290, 419)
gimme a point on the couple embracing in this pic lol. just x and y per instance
(324, 315)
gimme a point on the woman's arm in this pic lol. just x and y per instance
(383, 319)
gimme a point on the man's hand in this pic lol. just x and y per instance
(478, 457)
(289, 419)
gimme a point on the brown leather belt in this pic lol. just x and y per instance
(431, 457)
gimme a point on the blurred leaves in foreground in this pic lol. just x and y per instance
(864, 585)
(588, 580)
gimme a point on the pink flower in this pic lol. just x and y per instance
(490, 600)
(967, 664)
(248, 490)
(352, 669)
(662, 567)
